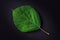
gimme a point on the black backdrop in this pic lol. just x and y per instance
(47, 10)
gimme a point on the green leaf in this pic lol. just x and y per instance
(26, 18)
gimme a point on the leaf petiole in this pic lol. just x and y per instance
(45, 31)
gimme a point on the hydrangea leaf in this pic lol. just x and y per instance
(26, 18)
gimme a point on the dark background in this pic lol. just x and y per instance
(47, 10)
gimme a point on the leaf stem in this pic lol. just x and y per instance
(45, 31)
